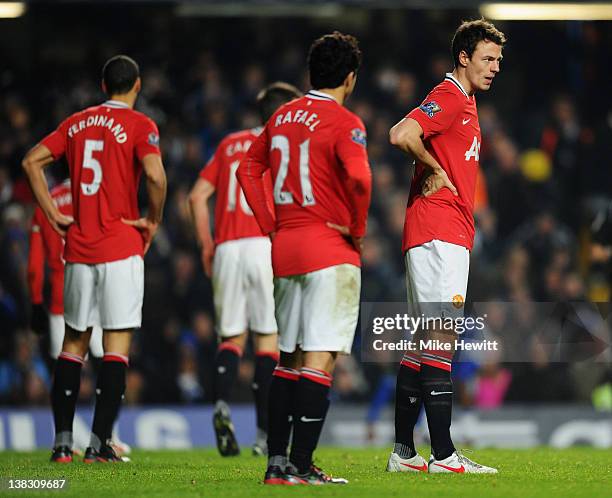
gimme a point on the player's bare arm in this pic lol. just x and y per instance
(407, 136)
(156, 190)
(34, 163)
(200, 214)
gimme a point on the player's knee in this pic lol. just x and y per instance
(291, 360)
(117, 341)
(75, 341)
(265, 342)
(239, 340)
(320, 360)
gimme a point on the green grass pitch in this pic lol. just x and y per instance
(541, 472)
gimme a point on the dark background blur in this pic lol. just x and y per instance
(545, 160)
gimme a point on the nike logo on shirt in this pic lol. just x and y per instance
(466, 121)
(305, 419)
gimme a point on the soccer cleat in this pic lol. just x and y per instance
(398, 464)
(276, 475)
(458, 464)
(224, 432)
(315, 476)
(61, 454)
(106, 454)
(120, 447)
(260, 449)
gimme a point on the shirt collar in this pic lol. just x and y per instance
(455, 81)
(116, 104)
(317, 95)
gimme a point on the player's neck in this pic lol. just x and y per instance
(338, 94)
(126, 98)
(459, 75)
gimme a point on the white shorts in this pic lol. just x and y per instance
(318, 311)
(243, 287)
(436, 279)
(105, 294)
(57, 328)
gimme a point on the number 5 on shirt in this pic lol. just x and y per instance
(90, 162)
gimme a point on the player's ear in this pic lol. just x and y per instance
(349, 81)
(103, 85)
(463, 58)
(137, 85)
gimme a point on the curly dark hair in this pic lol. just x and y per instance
(331, 58)
(273, 96)
(470, 33)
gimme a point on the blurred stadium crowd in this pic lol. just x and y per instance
(545, 157)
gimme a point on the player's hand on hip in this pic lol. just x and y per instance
(147, 228)
(272, 235)
(346, 232)
(358, 243)
(208, 255)
(60, 223)
(436, 181)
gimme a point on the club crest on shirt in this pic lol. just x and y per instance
(153, 139)
(358, 136)
(430, 108)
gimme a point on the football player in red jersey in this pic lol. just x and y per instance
(46, 248)
(316, 151)
(107, 147)
(443, 135)
(239, 262)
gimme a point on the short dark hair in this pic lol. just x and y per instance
(273, 96)
(470, 33)
(332, 58)
(119, 74)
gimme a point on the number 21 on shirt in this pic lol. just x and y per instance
(281, 142)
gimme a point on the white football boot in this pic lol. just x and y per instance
(398, 464)
(458, 464)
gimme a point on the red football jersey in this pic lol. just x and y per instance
(104, 146)
(233, 216)
(314, 147)
(47, 244)
(451, 134)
